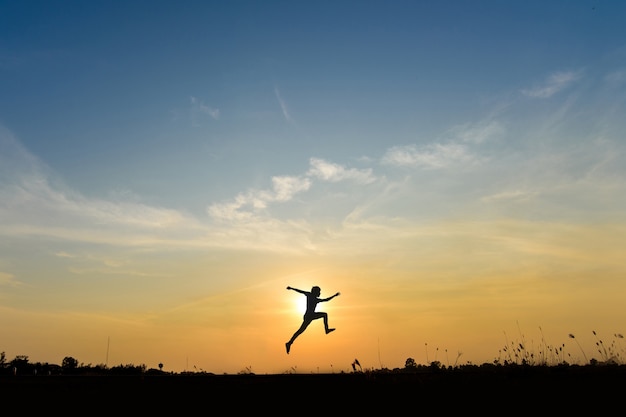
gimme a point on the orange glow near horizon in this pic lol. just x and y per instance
(381, 318)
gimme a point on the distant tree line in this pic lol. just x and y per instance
(21, 365)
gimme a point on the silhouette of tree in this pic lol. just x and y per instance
(69, 363)
(20, 364)
(410, 363)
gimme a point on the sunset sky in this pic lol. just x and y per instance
(455, 169)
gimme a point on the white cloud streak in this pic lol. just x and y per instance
(514, 195)
(247, 205)
(283, 105)
(478, 133)
(431, 156)
(199, 109)
(328, 171)
(555, 83)
(286, 187)
(32, 203)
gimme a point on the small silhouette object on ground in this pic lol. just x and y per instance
(312, 299)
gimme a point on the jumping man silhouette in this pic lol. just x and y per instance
(312, 299)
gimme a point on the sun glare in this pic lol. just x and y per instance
(299, 305)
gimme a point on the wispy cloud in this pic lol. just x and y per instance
(283, 105)
(516, 195)
(555, 83)
(34, 203)
(7, 279)
(245, 205)
(199, 110)
(37, 195)
(112, 271)
(479, 132)
(431, 156)
(328, 171)
(286, 187)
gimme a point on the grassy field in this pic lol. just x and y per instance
(491, 390)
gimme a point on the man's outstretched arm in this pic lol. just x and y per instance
(329, 298)
(297, 290)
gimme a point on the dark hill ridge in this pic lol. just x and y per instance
(492, 390)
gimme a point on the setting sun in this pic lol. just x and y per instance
(299, 305)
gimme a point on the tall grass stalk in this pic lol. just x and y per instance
(571, 336)
(601, 349)
(457, 358)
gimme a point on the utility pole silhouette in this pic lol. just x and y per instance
(106, 363)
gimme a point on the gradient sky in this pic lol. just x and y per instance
(456, 169)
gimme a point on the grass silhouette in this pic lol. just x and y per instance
(514, 352)
(526, 377)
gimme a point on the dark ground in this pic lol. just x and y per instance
(494, 391)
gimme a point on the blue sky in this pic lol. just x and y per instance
(162, 157)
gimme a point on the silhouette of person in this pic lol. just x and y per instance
(312, 299)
